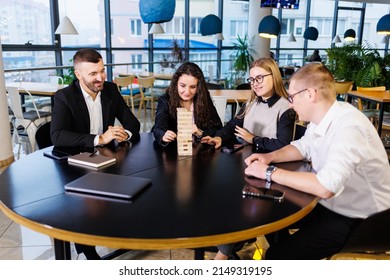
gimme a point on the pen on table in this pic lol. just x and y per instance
(94, 153)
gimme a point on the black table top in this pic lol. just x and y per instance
(194, 201)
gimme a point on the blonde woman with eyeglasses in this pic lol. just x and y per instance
(265, 120)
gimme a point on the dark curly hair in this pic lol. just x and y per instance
(202, 99)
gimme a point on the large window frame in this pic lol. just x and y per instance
(186, 27)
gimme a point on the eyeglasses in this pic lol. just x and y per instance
(290, 98)
(259, 79)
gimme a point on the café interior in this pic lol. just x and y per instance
(141, 52)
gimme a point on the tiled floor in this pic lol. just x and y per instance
(20, 243)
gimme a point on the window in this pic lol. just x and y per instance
(136, 59)
(135, 27)
(238, 27)
(175, 26)
(287, 26)
(194, 25)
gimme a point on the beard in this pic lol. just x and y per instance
(94, 86)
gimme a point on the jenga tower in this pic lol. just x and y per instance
(184, 132)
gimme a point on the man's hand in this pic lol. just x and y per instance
(264, 158)
(217, 141)
(117, 133)
(256, 169)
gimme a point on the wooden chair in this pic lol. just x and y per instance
(146, 90)
(125, 86)
(372, 114)
(29, 120)
(370, 240)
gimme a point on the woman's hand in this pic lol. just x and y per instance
(244, 134)
(196, 131)
(169, 136)
(217, 141)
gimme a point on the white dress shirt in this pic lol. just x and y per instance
(95, 114)
(350, 161)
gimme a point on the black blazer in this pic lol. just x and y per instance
(70, 124)
(164, 121)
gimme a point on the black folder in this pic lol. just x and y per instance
(109, 185)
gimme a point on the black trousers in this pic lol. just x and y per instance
(320, 234)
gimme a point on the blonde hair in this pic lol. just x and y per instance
(270, 66)
(316, 75)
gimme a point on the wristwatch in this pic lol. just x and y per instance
(268, 173)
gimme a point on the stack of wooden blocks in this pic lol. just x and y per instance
(184, 132)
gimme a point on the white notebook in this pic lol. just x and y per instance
(110, 185)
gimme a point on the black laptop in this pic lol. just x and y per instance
(108, 185)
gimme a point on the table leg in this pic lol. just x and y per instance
(62, 250)
(199, 253)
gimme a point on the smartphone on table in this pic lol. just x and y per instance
(261, 192)
(231, 148)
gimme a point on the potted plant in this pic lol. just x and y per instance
(242, 59)
(361, 64)
(176, 56)
(374, 72)
(345, 61)
(69, 76)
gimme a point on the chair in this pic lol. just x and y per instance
(372, 114)
(342, 88)
(146, 90)
(370, 240)
(44, 103)
(244, 86)
(299, 130)
(125, 86)
(29, 120)
(220, 103)
(42, 136)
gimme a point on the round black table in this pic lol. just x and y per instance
(193, 202)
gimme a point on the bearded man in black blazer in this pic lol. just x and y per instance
(84, 113)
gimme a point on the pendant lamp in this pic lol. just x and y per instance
(211, 25)
(291, 38)
(155, 12)
(336, 39)
(311, 33)
(383, 26)
(66, 27)
(349, 35)
(269, 27)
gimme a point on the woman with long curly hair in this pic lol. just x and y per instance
(187, 90)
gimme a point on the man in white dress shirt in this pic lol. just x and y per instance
(352, 173)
